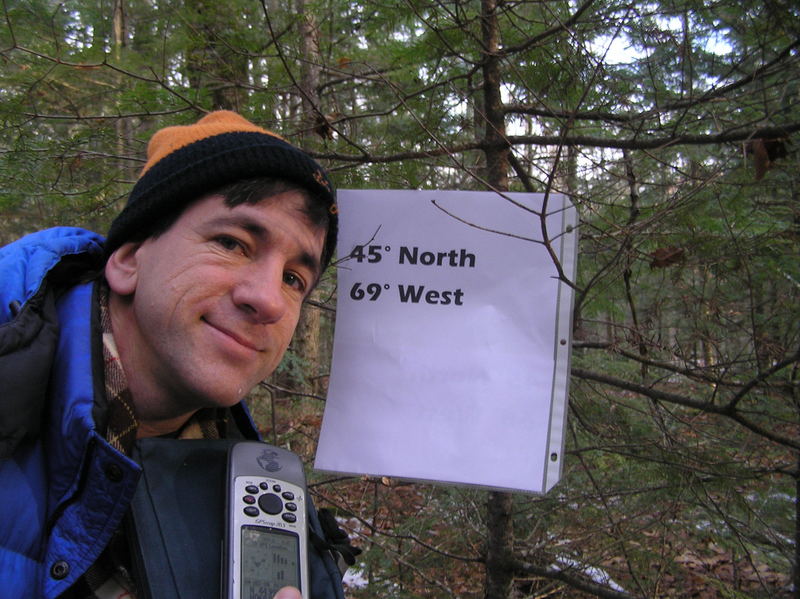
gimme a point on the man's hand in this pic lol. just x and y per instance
(288, 593)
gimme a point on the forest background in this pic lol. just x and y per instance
(673, 128)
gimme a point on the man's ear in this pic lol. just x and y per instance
(122, 269)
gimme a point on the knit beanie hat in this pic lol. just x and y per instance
(186, 162)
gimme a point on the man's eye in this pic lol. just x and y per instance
(293, 280)
(229, 243)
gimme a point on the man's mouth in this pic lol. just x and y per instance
(243, 341)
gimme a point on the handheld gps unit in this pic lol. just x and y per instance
(266, 529)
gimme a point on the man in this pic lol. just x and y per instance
(161, 330)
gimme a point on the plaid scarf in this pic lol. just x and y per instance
(109, 577)
(122, 423)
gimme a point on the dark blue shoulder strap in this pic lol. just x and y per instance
(326, 578)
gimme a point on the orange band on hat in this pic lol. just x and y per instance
(169, 139)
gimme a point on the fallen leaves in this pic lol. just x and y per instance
(766, 152)
(666, 256)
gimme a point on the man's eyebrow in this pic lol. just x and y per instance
(258, 230)
(243, 222)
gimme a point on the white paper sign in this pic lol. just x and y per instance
(452, 342)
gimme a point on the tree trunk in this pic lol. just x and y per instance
(213, 65)
(307, 337)
(309, 66)
(499, 547)
(122, 127)
(495, 127)
(500, 533)
(796, 572)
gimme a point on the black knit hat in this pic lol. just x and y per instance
(184, 163)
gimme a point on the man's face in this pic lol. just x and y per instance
(206, 310)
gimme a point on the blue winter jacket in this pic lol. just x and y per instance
(63, 489)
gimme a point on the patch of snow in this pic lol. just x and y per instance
(596, 574)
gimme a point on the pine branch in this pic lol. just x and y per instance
(564, 575)
(635, 143)
(688, 402)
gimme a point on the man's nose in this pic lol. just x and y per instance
(259, 293)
